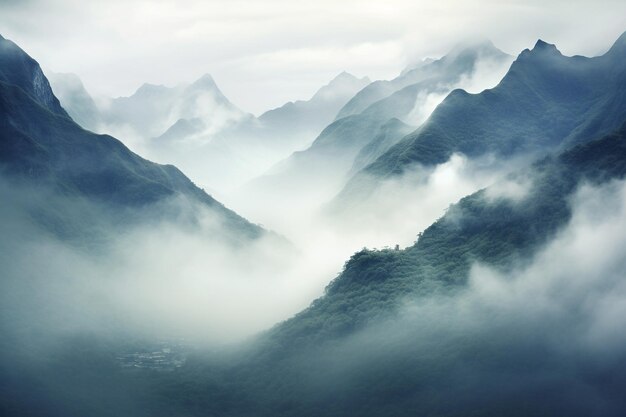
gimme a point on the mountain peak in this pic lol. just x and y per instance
(478, 47)
(541, 49)
(344, 75)
(466, 54)
(19, 69)
(206, 78)
(205, 82)
(207, 85)
(343, 84)
(544, 46)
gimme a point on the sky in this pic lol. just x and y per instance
(263, 53)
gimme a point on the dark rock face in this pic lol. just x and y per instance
(19, 69)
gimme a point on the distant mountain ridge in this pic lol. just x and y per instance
(197, 127)
(41, 147)
(362, 131)
(461, 59)
(153, 109)
(314, 114)
(545, 101)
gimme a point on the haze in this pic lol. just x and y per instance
(263, 54)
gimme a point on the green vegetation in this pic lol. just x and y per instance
(498, 232)
(323, 360)
(352, 352)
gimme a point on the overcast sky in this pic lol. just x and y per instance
(263, 53)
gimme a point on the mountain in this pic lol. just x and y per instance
(229, 154)
(396, 332)
(322, 168)
(310, 117)
(493, 231)
(460, 60)
(400, 97)
(153, 109)
(75, 99)
(450, 326)
(199, 129)
(546, 101)
(386, 136)
(185, 125)
(22, 71)
(77, 177)
(510, 304)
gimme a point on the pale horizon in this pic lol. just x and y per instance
(263, 55)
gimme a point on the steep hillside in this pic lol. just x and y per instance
(43, 149)
(397, 333)
(21, 70)
(322, 168)
(460, 60)
(496, 231)
(544, 102)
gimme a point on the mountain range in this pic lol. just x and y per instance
(358, 350)
(44, 150)
(510, 303)
(546, 101)
(354, 351)
(375, 119)
(396, 332)
(308, 118)
(198, 128)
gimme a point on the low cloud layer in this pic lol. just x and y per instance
(543, 337)
(400, 207)
(182, 276)
(184, 279)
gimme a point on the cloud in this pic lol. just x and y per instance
(176, 275)
(121, 43)
(400, 207)
(180, 277)
(546, 335)
(486, 74)
(576, 281)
